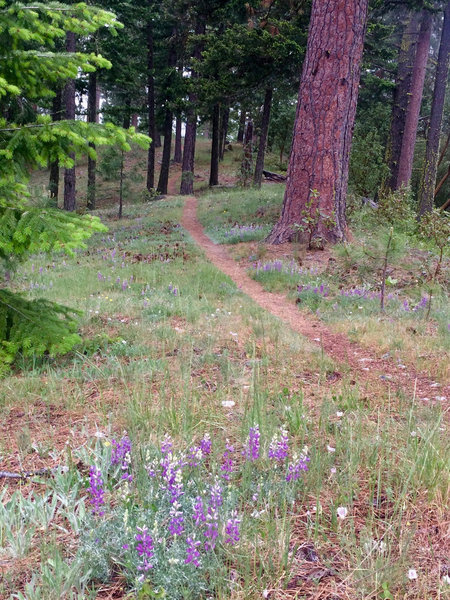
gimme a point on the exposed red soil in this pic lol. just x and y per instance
(365, 366)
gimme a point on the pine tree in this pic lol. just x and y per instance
(31, 69)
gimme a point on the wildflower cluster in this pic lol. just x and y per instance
(186, 512)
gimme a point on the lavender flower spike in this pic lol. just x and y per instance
(232, 530)
(193, 555)
(253, 444)
(145, 549)
(96, 491)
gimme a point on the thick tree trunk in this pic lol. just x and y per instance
(223, 131)
(134, 120)
(426, 194)
(214, 169)
(241, 130)
(406, 58)
(69, 103)
(405, 162)
(92, 118)
(178, 152)
(53, 184)
(259, 167)
(187, 169)
(151, 106)
(318, 166)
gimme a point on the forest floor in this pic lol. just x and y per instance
(184, 335)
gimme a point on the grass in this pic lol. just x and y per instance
(178, 349)
(413, 337)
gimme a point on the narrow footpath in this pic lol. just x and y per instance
(365, 366)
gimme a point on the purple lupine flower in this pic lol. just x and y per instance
(195, 456)
(252, 452)
(212, 529)
(41, 269)
(279, 446)
(406, 305)
(206, 444)
(96, 491)
(145, 549)
(171, 473)
(193, 555)
(176, 523)
(296, 467)
(166, 444)
(232, 530)
(216, 496)
(118, 280)
(124, 285)
(227, 462)
(120, 449)
(422, 304)
(100, 276)
(199, 511)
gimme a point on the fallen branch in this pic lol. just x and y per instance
(28, 474)
(274, 176)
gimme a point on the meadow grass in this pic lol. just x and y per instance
(351, 276)
(179, 350)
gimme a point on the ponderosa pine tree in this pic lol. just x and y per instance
(318, 166)
(405, 161)
(428, 184)
(406, 56)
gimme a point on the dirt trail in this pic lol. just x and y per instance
(365, 366)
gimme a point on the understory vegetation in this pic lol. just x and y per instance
(191, 446)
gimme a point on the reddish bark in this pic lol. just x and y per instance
(426, 194)
(324, 121)
(405, 162)
(69, 102)
(406, 58)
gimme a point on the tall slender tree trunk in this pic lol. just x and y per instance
(127, 114)
(163, 181)
(426, 193)
(178, 152)
(223, 131)
(151, 105)
(405, 67)
(187, 169)
(241, 130)
(259, 167)
(134, 120)
(121, 185)
(405, 162)
(92, 118)
(214, 170)
(247, 157)
(70, 202)
(168, 121)
(53, 184)
(318, 166)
